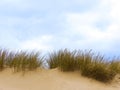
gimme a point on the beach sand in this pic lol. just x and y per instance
(51, 80)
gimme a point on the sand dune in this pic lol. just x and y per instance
(50, 80)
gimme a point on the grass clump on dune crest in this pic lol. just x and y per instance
(23, 61)
(3, 54)
(20, 61)
(63, 59)
(114, 66)
(89, 64)
(94, 66)
(53, 60)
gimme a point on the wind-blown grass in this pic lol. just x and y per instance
(64, 59)
(89, 64)
(94, 66)
(114, 66)
(20, 61)
(3, 54)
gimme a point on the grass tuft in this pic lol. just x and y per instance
(88, 63)
(114, 66)
(64, 59)
(20, 61)
(3, 54)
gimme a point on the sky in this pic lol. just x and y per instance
(48, 25)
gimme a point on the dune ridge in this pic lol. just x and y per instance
(53, 79)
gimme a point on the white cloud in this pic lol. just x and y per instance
(38, 43)
(80, 26)
(83, 25)
(115, 7)
(8, 39)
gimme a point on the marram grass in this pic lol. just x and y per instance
(20, 61)
(64, 59)
(3, 54)
(87, 63)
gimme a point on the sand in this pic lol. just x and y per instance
(51, 80)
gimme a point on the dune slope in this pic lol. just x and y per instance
(50, 80)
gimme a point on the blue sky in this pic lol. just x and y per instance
(49, 25)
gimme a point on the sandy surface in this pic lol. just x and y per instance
(50, 80)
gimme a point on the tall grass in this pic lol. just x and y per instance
(63, 59)
(3, 54)
(88, 63)
(94, 66)
(114, 66)
(53, 61)
(20, 61)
